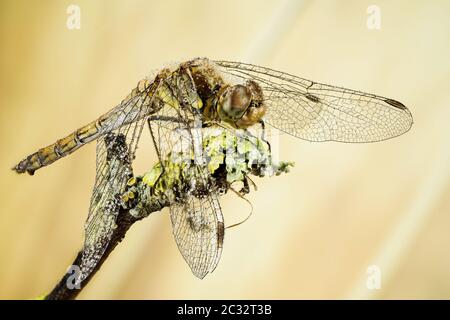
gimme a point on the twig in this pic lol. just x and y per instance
(230, 159)
(124, 221)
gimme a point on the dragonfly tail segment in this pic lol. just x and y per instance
(59, 149)
(80, 137)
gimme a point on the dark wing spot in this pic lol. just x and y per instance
(220, 233)
(395, 104)
(312, 98)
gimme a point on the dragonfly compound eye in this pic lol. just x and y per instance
(234, 102)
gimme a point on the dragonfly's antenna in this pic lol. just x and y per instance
(251, 211)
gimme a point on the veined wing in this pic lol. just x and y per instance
(113, 171)
(196, 216)
(115, 153)
(195, 213)
(320, 112)
(198, 229)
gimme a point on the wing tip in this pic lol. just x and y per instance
(408, 119)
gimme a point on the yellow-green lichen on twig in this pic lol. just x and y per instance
(226, 158)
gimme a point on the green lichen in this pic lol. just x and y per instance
(227, 158)
(240, 153)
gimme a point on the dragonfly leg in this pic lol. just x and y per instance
(263, 134)
(246, 188)
(156, 148)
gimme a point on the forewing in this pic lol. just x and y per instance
(115, 153)
(196, 216)
(320, 112)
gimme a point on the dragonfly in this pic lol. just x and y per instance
(203, 93)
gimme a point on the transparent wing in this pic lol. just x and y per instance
(198, 229)
(115, 153)
(196, 216)
(112, 171)
(320, 112)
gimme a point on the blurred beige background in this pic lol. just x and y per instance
(315, 231)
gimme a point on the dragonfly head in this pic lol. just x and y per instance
(241, 105)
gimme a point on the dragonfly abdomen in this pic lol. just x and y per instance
(60, 148)
(127, 114)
